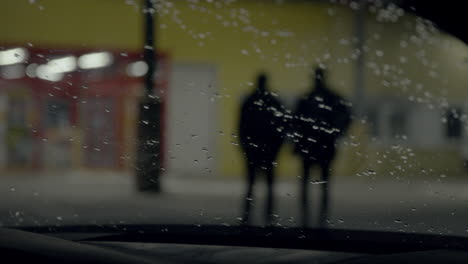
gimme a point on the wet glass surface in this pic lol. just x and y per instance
(332, 114)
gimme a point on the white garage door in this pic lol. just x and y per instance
(191, 120)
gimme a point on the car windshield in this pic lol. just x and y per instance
(329, 114)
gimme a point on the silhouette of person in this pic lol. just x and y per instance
(320, 118)
(261, 131)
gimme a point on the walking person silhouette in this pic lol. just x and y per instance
(261, 131)
(320, 118)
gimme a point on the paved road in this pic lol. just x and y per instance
(419, 205)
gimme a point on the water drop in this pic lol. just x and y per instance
(315, 182)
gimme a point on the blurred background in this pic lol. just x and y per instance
(71, 75)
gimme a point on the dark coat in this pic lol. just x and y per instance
(262, 128)
(320, 119)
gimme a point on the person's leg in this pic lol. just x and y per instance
(251, 170)
(325, 200)
(270, 196)
(306, 165)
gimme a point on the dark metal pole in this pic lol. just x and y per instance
(359, 84)
(148, 161)
(149, 48)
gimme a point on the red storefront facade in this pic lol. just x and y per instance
(84, 119)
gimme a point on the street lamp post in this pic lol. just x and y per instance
(148, 161)
(359, 100)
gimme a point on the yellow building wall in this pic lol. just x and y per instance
(412, 61)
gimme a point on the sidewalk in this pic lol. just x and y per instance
(88, 184)
(88, 198)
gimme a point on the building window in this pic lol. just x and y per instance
(57, 114)
(398, 123)
(453, 125)
(373, 120)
